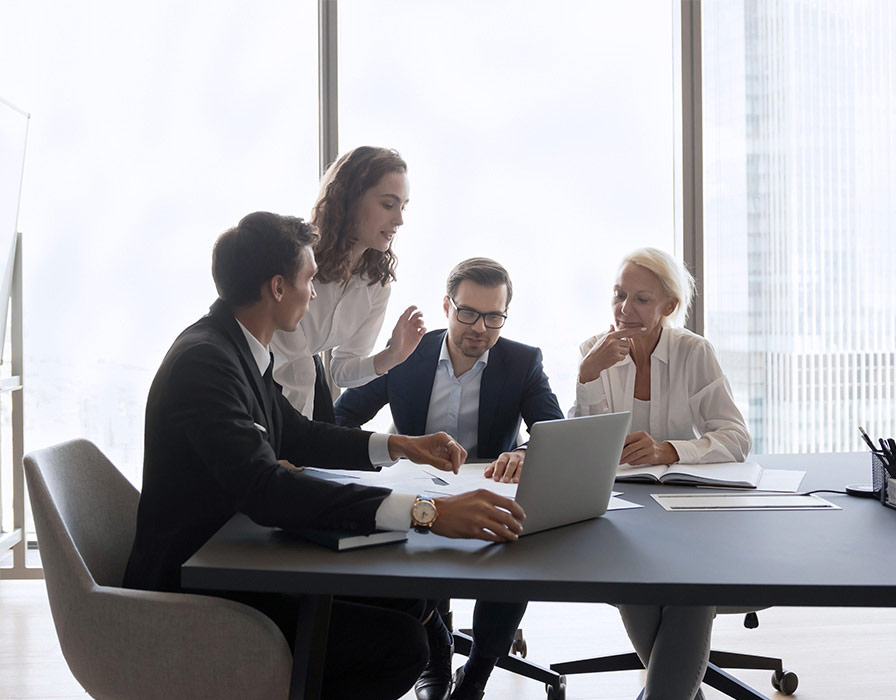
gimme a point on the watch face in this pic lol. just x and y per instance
(423, 512)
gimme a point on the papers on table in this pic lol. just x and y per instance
(406, 477)
(741, 501)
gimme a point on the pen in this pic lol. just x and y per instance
(439, 481)
(867, 439)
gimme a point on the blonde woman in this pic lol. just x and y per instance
(682, 411)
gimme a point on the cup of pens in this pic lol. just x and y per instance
(883, 468)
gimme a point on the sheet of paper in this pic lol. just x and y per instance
(406, 477)
(741, 501)
(617, 503)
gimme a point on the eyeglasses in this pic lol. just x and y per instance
(469, 316)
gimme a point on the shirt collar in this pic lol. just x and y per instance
(661, 351)
(260, 353)
(444, 356)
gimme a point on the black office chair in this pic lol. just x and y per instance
(515, 661)
(784, 681)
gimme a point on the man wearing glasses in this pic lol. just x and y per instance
(477, 387)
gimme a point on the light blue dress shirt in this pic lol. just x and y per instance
(454, 403)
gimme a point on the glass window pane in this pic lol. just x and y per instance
(800, 232)
(155, 126)
(542, 134)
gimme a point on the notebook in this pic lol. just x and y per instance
(570, 468)
(341, 539)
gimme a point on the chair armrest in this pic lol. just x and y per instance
(165, 645)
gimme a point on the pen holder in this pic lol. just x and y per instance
(881, 482)
(879, 476)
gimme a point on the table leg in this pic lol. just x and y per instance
(312, 627)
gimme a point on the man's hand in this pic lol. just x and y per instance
(480, 515)
(289, 465)
(438, 449)
(507, 467)
(641, 448)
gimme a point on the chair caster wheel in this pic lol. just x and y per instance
(519, 645)
(557, 692)
(785, 682)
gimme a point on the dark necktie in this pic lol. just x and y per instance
(269, 395)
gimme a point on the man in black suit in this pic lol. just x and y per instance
(221, 439)
(477, 387)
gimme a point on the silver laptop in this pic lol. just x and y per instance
(570, 468)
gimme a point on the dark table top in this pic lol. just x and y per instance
(752, 558)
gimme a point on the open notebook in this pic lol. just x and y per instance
(740, 474)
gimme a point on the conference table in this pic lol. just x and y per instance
(841, 557)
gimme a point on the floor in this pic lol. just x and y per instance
(838, 653)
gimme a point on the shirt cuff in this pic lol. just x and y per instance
(687, 453)
(378, 450)
(366, 369)
(394, 512)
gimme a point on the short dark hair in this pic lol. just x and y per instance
(259, 247)
(483, 271)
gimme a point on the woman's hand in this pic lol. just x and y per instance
(640, 448)
(405, 339)
(609, 349)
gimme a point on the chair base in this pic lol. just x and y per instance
(555, 683)
(783, 680)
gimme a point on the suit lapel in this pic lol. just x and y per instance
(420, 380)
(223, 314)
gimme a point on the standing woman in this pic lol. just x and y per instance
(358, 212)
(682, 411)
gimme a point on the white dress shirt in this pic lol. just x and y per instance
(454, 402)
(394, 513)
(344, 318)
(691, 405)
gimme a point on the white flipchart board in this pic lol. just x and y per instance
(13, 137)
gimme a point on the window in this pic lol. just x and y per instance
(154, 127)
(800, 232)
(542, 134)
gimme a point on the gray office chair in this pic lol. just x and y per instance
(136, 645)
(784, 681)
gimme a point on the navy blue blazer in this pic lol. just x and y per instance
(514, 387)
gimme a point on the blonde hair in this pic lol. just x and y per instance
(677, 282)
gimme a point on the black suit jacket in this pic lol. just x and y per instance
(514, 386)
(206, 458)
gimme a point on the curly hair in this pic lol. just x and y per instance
(342, 186)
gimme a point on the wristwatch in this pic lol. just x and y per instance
(423, 514)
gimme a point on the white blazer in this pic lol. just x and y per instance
(691, 405)
(346, 319)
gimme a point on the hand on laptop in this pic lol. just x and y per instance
(481, 515)
(507, 467)
(438, 449)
